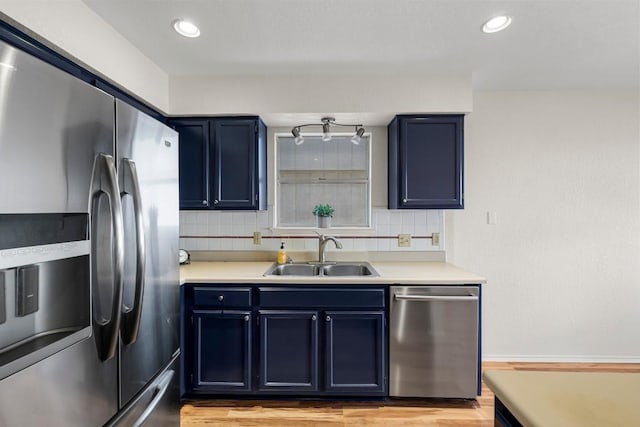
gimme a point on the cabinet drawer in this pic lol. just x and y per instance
(319, 298)
(220, 297)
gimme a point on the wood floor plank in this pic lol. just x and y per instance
(389, 413)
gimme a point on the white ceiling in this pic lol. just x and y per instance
(550, 45)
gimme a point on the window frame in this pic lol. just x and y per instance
(365, 229)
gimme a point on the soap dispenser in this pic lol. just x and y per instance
(282, 255)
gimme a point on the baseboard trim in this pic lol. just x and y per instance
(559, 359)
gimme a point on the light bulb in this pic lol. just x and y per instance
(298, 139)
(355, 139)
(496, 24)
(186, 28)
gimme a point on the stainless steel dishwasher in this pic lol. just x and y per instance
(433, 341)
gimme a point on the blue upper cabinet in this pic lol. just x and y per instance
(223, 163)
(426, 162)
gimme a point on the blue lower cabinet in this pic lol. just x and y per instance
(283, 340)
(221, 351)
(288, 351)
(355, 356)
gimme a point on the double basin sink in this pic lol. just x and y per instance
(338, 269)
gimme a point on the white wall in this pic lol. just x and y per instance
(373, 99)
(70, 26)
(561, 170)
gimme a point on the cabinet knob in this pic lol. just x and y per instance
(328, 318)
(313, 317)
(220, 298)
(404, 200)
(204, 202)
(215, 202)
(246, 317)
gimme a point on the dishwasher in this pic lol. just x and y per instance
(434, 341)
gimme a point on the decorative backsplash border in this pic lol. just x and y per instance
(233, 231)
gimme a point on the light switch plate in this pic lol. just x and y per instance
(404, 240)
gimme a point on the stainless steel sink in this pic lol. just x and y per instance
(293, 270)
(339, 269)
(349, 269)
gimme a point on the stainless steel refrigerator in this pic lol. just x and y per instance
(89, 280)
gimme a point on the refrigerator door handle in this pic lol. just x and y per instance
(162, 384)
(104, 183)
(129, 186)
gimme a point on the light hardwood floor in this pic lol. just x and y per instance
(389, 413)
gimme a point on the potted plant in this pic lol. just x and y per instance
(324, 212)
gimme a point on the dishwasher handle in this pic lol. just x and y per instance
(401, 297)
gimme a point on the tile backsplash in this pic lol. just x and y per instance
(233, 231)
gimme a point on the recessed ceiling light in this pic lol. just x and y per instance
(186, 28)
(497, 23)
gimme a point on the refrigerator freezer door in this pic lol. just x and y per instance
(152, 149)
(72, 388)
(52, 126)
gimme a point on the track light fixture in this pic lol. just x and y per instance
(326, 123)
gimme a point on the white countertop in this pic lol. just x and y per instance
(409, 273)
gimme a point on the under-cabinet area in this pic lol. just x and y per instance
(284, 340)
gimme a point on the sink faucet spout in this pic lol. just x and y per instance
(322, 244)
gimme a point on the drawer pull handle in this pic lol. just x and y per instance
(221, 297)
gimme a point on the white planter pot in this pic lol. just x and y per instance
(324, 221)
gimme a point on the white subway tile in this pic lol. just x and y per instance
(201, 218)
(383, 244)
(202, 244)
(189, 217)
(225, 219)
(191, 230)
(395, 229)
(215, 244)
(383, 230)
(421, 244)
(382, 216)
(213, 228)
(395, 217)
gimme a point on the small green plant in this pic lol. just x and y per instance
(323, 210)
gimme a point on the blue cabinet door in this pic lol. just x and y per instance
(221, 351)
(426, 162)
(288, 351)
(355, 352)
(194, 162)
(223, 163)
(235, 179)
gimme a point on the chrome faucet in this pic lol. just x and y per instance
(323, 243)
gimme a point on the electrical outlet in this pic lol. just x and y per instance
(404, 240)
(435, 239)
(257, 238)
